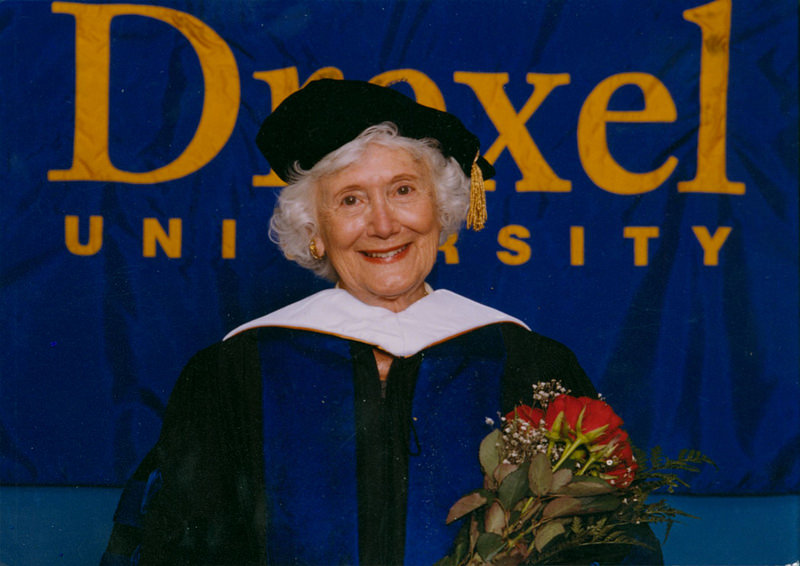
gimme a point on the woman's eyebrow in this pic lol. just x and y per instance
(405, 177)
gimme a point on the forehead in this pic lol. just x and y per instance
(378, 165)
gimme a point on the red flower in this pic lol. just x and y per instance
(584, 415)
(624, 464)
(526, 413)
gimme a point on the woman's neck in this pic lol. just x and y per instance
(384, 363)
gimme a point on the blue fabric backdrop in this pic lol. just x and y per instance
(694, 341)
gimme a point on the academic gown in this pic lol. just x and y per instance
(281, 446)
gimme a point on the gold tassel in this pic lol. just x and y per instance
(476, 215)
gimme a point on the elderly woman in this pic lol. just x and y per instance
(340, 429)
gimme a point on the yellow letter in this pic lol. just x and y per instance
(714, 20)
(425, 90)
(282, 83)
(641, 236)
(488, 87)
(90, 161)
(72, 237)
(711, 244)
(576, 241)
(449, 249)
(152, 232)
(228, 239)
(507, 237)
(596, 158)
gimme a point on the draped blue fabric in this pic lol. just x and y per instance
(310, 457)
(693, 348)
(457, 389)
(309, 450)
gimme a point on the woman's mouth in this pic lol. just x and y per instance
(385, 255)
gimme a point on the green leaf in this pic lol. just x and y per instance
(540, 475)
(561, 478)
(562, 506)
(474, 533)
(488, 545)
(489, 452)
(546, 534)
(465, 505)
(582, 486)
(600, 504)
(503, 470)
(461, 547)
(513, 559)
(513, 488)
(495, 520)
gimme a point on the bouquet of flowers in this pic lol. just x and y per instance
(561, 481)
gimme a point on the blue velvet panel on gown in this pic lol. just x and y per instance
(310, 448)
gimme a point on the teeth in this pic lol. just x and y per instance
(383, 255)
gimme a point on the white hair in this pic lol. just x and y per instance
(295, 221)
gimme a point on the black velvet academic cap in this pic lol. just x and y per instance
(326, 114)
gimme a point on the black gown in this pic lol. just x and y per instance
(201, 496)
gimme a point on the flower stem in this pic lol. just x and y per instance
(568, 452)
(592, 459)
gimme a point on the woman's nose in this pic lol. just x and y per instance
(383, 222)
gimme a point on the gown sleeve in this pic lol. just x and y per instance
(197, 497)
(530, 358)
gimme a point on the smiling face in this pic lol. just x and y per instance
(379, 226)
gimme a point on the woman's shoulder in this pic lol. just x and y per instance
(532, 357)
(217, 372)
(523, 340)
(226, 353)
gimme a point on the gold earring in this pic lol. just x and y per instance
(312, 247)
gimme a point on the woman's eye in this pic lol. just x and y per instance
(349, 200)
(404, 190)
